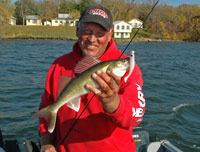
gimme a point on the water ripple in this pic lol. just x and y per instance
(171, 86)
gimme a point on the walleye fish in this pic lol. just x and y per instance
(76, 87)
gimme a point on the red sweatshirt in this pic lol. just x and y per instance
(97, 130)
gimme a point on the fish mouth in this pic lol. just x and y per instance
(124, 67)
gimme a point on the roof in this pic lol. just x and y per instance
(12, 17)
(32, 17)
(117, 22)
(64, 16)
(136, 19)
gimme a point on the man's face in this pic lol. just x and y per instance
(93, 39)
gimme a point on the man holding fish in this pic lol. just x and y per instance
(92, 71)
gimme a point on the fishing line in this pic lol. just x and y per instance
(139, 27)
(68, 132)
(70, 129)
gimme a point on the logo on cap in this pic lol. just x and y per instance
(99, 12)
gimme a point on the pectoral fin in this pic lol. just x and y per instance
(74, 104)
(62, 82)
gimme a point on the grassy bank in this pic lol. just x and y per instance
(54, 32)
(37, 32)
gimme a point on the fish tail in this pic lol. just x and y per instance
(49, 115)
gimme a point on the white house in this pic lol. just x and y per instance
(63, 19)
(122, 29)
(47, 23)
(136, 23)
(12, 20)
(33, 20)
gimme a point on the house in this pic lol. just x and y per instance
(12, 20)
(122, 29)
(47, 23)
(136, 23)
(63, 19)
(33, 20)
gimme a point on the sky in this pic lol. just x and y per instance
(179, 2)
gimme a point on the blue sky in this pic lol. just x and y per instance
(179, 2)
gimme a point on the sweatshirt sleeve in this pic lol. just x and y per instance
(47, 98)
(132, 102)
(58, 69)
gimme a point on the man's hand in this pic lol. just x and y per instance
(48, 148)
(108, 91)
(47, 142)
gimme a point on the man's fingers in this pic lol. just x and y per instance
(102, 79)
(104, 76)
(96, 91)
(108, 84)
(93, 89)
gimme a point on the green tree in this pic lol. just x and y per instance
(193, 29)
(163, 12)
(48, 10)
(66, 6)
(120, 9)
(6, 11)
(24, 8)
(163, 31)
(75, 14)
(4, 16)
(8, 5)
(82, 4)
(143, 10)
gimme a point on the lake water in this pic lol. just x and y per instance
(171, 74)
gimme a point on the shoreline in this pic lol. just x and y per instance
(68, 33)
(38, 38)
(75, 39)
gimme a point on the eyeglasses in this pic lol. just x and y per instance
(88, 32)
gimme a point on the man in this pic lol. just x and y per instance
(106, 124)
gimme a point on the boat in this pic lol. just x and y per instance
(145, 142)
(13, 143)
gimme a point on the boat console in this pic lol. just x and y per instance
(146, 141)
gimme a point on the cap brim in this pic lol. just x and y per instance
(96, 20)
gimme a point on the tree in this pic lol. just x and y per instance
(66, 6)
(48, 9)
(4, 16)
(82, 4)
(6, 11)
(24, 8)
(120, 9)
(75, 14)
(8, 5)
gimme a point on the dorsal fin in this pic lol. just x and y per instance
(85, 63)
